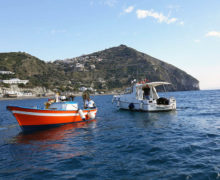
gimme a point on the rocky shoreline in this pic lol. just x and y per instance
(21, 98)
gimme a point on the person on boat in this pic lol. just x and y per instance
(48, 103)
(146, 93)
(85, 96)
(89, 103)
(63, 98)
(57, 95)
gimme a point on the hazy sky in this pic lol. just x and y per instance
(185, 33)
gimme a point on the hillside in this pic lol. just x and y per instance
(116, 67)
(104, 70)
(25, 66)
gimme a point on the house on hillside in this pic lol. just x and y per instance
(15, 81)
(92, 66)
(6, 72)
(80, 67)
(82, 89)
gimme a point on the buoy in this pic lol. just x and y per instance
(91, 115)
(82, 115)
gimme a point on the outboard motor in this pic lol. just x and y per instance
(163, 101)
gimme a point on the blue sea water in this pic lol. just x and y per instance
(184, 144)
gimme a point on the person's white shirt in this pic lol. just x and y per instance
(90, 103)
(56, 97)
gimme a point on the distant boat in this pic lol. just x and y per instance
(143, 97)
(11, 95)
(58, 113)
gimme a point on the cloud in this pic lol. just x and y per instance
(197, 41)
(110, 3)
(213, 34)
(172, 20)
(142, 14)
(129, 9)
(181, 23)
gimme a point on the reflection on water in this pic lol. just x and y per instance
(120, 145)
(150, 119)
(25, 146)
(52, 134)
(156, 120)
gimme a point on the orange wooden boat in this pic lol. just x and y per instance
(59, 113)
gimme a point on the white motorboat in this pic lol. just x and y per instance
(144, 97)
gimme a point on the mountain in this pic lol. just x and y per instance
(112, 68)
(118, 66)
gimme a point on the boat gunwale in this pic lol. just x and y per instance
(46, 110)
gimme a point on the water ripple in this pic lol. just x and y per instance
(119, 144)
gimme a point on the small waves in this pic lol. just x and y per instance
(2, 128)
(120, 144)
(210, 135)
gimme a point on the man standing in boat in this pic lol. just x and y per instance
(146, 92)
(57, 96)
(88, 103)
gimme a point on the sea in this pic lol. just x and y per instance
(118, 144)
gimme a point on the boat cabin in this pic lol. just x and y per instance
(144, 97)
(143, 91)
(67, 105)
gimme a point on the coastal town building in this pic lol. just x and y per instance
(79, 67)
(82, 89)
(92, 66)
(15, 81)
(6, 72)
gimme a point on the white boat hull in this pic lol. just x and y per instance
(145, 106)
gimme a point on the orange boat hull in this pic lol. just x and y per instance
(30, 119)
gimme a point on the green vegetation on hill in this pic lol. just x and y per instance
(105, 70)
(25, 66)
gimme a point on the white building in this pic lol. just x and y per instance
(15, 81)
(92, 66)
(79, 67)
(91, 89)
(82, 89)
(6, 72)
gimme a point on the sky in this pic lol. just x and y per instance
(184, 33)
